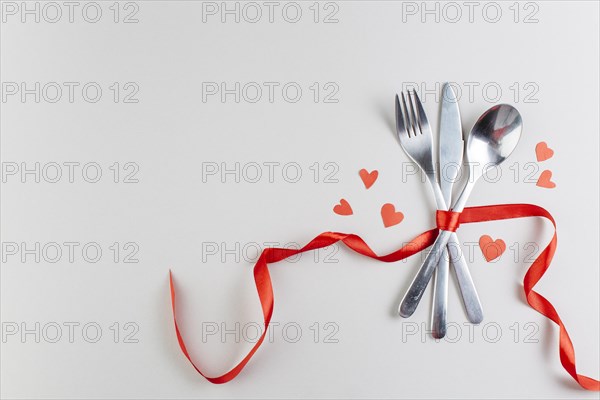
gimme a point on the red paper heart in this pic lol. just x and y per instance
(545, 180)
(343, 208)
(390, 216)
(368, 178)
(543, 152)
(491, 249)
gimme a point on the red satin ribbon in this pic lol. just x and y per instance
(447, 220)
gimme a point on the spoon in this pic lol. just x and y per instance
(491, 140)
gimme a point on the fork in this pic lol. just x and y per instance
(416, 139)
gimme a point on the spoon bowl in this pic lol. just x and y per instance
(494, 137)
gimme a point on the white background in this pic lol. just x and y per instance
(547, 68)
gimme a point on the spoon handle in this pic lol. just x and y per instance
(461, 201)
(465, 281)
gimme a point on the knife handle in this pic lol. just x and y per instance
(440, 297)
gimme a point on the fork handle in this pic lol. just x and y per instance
(413, 296)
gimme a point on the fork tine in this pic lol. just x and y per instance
(408, 121)
(423, 122)
(415, 120)
(400, 125)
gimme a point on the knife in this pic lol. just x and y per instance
(451, 146)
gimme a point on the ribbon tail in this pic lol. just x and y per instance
(535, 272)
(445, 220)
(264, 288)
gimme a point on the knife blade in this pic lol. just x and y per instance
(451, 141)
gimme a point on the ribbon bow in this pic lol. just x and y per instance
(445, 220)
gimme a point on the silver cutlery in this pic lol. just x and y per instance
(451, 147)
(491, 140)
(416, 139)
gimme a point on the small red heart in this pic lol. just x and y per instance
(545, 180)
(390, 216)
(368, 178)
(543, 152)
(491, 249)
(343, 208)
